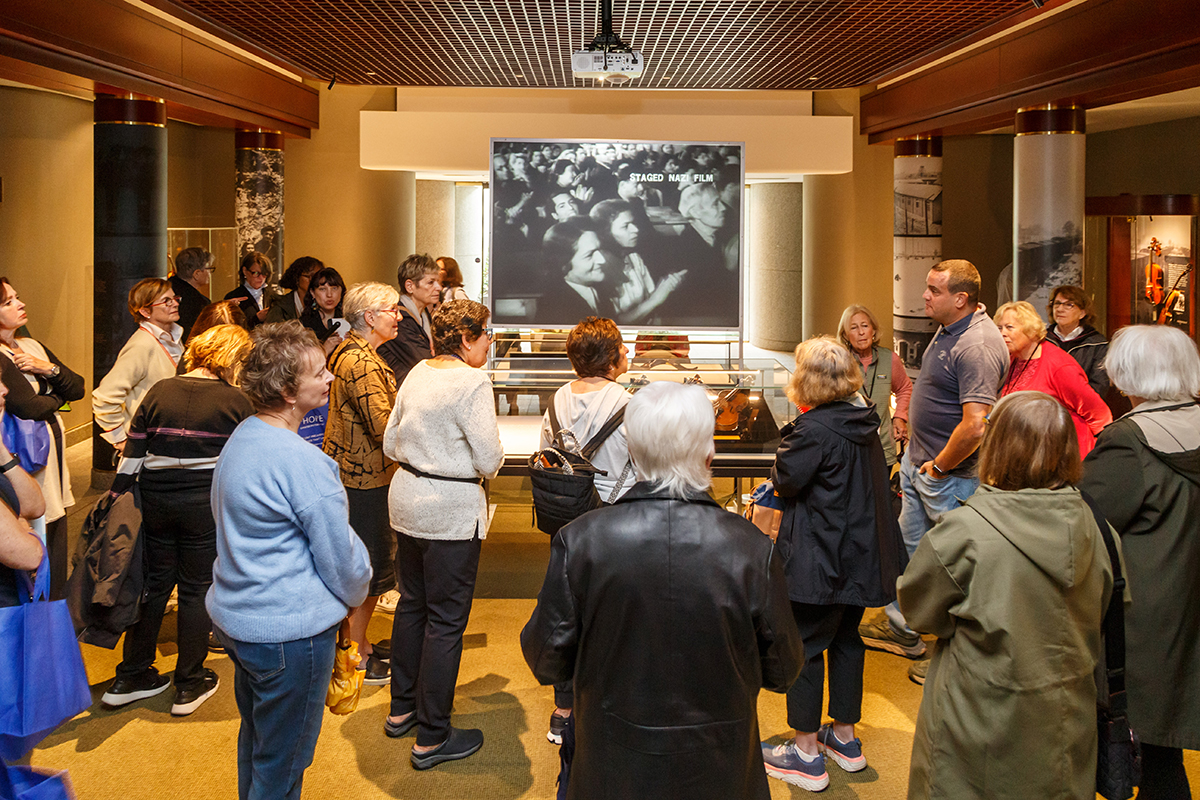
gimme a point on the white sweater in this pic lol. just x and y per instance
(584, 414)
(443, 423)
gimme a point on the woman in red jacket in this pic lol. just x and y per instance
(1037, 365)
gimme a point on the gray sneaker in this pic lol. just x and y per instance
(918, 670)
(880, 635)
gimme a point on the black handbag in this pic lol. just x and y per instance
(1119, 758)
(562, 476)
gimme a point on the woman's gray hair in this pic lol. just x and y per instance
(1154, 362)
(363, 297)
(669, 427)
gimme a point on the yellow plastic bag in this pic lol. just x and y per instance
(346, 684)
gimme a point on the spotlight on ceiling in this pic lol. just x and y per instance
(607, 58)
(1038, 3)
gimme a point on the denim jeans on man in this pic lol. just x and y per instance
(280, 692)
(926, 499)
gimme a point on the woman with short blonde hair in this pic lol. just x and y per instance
(175, 438)
(842, 553)
(1039, 366)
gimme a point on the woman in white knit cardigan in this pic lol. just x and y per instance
(443, 435)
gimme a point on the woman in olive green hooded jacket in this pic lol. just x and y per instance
(1014, 584)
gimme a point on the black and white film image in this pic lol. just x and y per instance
(647, 233)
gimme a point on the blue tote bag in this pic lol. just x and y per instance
(42, 679)
(31, 783)
(28, 440)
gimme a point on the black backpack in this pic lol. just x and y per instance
(563, 476)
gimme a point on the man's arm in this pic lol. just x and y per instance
(963, 441)
(19, 547)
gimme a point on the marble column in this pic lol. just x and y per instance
(916, 242)
(130, 223)
(1048, 202)
(258, 204)
(776, 248)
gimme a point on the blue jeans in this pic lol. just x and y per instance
(280, 692)
(926, 499)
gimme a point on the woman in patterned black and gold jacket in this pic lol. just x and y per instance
(360, 402)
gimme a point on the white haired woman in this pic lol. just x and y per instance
(883, 376)
(360, 402)
(443, 435)
(841, 551)
(1145, 475)
(670, 614)
(1038, 366)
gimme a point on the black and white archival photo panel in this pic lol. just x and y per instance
(646, 233)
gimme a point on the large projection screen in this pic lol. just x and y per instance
(647, 233)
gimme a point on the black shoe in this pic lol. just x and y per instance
(398, 729)
(128, 690)
(214, 644)
(188, 700)
(382, 650)
(378, 672)
(459, 744)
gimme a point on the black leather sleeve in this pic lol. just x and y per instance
(550, 639)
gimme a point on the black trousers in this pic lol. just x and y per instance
(437, 585)
(1163, 775)
(180, 546)
(833, 630)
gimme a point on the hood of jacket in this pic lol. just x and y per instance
(854, 422)
(1053, 528)
(1172, 432)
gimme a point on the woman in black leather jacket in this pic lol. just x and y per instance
(671, 614)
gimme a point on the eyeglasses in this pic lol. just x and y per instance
(1067, 304)
(393, 310)
(166, 301)
(488, 333)
(255, 272)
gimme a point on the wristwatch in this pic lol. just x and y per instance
(55, 370)
(16, 462)
(938, 469)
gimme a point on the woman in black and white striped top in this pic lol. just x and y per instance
(174, 441)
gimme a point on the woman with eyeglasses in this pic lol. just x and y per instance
(360, 402)
(1072, 332)
(150, 355)
(443, 435)
(38, 384)
(254, 294)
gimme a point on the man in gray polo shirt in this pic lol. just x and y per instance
(961, 374)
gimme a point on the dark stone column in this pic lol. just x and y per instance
(130, 218)
(258, 206)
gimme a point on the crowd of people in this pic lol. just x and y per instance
(662, 615)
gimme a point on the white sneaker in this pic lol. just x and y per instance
(388, 602)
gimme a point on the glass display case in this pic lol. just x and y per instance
(749, 403)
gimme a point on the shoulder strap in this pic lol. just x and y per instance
(554, 426)
(1114, 618)
(594, 443)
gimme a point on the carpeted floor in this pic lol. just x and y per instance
(141, 751)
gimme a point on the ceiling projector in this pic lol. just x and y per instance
(610, 66)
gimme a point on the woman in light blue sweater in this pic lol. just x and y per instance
(288, 564)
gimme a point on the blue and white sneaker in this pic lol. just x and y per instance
(789, 765)
(847, 755)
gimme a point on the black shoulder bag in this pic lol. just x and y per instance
(1119, 758)
(563, 476)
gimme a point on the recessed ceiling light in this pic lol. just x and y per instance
(372, 74)
(518, 75)
(813, 78)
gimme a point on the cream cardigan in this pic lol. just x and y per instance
(142, 362)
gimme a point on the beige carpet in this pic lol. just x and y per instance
(142, 752)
